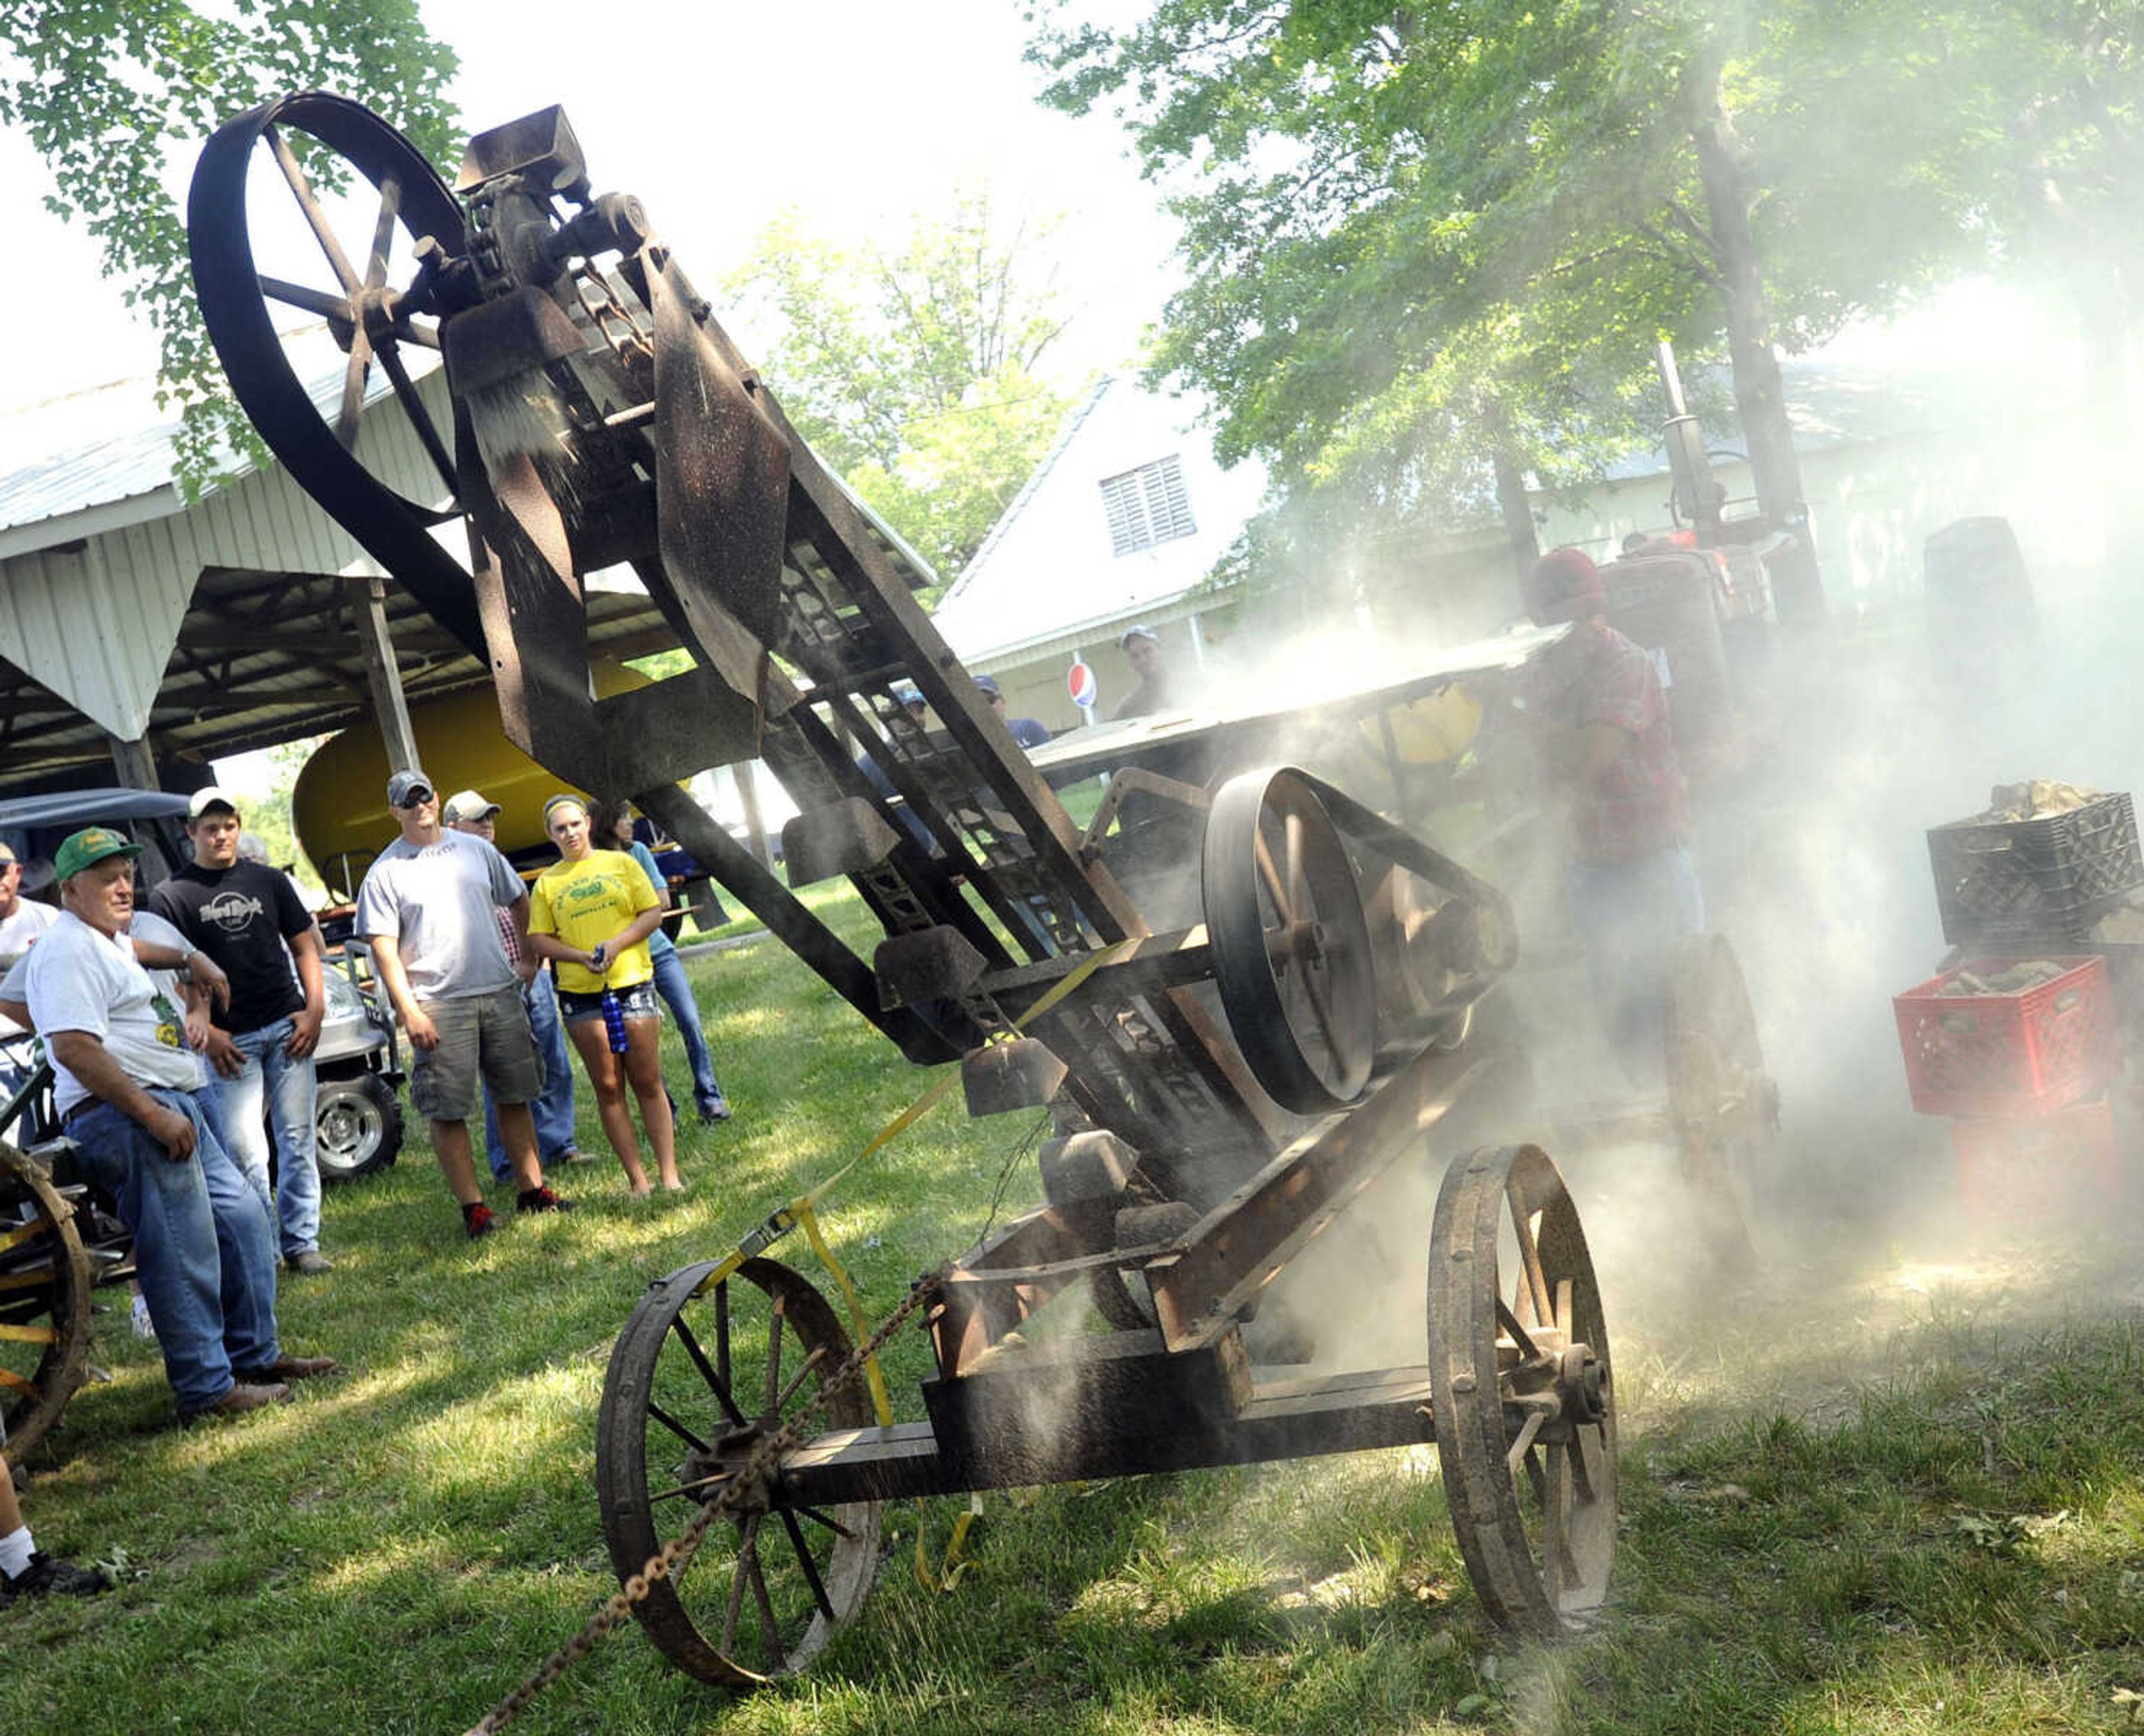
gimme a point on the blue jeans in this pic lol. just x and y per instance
(233, 1108)
(204, 1244)
(677, 995)
(1628, 915)
(553, 1108)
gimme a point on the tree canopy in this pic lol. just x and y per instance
(1430, 242)
(118, 95)
(916, 372)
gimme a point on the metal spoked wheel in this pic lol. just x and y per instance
(45, 1285)
(348, 280)
(1723, 1106)
(1521, 1392)
(1291, 946)
(704, 1372)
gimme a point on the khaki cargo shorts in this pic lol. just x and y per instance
(484, 1039)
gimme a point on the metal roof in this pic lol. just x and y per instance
(52, 467)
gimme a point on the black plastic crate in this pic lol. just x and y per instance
(2043, 880)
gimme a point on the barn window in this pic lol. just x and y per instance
(1147, 506)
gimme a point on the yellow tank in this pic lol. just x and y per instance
(338, 804)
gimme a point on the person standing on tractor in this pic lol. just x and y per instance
(1600, 728)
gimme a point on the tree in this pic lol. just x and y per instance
(117, 94)
(915, 374)
(1433, 246)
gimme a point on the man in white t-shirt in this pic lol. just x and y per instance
(426, 911)
(125, 1085)
(22, 921)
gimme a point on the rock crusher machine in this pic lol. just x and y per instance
(1222, 1087)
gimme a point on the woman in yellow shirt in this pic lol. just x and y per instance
(591, 913)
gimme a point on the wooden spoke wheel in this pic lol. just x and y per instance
(1291, 946)
(1723, 1106)
(44, 1286)
(1521, 1391)
(704, 1373)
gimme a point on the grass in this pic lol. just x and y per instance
(1859, 1499)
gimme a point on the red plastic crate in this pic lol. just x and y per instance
(2032, 1169)
(2008, 1054)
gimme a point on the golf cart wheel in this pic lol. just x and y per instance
(357, 1124)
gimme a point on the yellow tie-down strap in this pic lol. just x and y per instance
(801, 1213)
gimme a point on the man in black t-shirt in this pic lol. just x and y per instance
(247, 918)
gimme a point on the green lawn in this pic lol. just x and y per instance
(1850, 1504)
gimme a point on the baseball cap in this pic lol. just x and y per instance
(403, 784)
(1142, 631)
(202, 801)
(467, 805)
(907, 693)
(989, 685)
(92, 845)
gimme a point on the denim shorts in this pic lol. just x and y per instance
(638, 1002)
(482, 1038)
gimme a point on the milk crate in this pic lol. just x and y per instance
(2002, 881)
(2008, 1054)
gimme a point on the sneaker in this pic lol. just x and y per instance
(540, 1199)
(310, 1262)
(575, 1156)
(715, 1109)
(46, 1575)
(144, 1328)
(477, 1220)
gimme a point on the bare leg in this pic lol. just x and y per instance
(594, 1046)
(517, 1132)
(643, 1068)
(450, 1141)
(11, 1512)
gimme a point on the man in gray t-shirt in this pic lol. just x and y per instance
(425, 909)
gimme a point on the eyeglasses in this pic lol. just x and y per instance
(418, 798)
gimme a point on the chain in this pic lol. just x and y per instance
(672, 1557)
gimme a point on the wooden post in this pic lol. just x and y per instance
(368, 610)
(755, 828)
(136, 764)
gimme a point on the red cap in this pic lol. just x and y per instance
(1564, 586)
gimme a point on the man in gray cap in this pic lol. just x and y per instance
(426, 909)
(128, 1089)
(468, 811)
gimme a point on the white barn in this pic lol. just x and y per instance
(1119, 525)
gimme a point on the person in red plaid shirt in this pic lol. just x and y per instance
(1600, 720)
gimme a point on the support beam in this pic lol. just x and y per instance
(368, 609)
(135, 765)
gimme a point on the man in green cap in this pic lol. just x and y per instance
(126, 1086)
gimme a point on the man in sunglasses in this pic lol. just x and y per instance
(425, 909)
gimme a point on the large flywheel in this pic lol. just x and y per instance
(381, 287)
(1291, 944)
